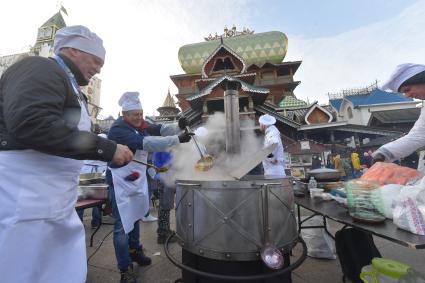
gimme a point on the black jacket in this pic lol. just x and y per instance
(39, 110)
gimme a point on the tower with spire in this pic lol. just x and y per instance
(44, 47)
(168, 108)
(168, 112)
(46, 34)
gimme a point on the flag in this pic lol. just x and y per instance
(63, 10)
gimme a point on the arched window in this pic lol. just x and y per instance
(350, 112)
(223, 64)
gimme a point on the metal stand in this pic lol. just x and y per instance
(100, 224)
(243, 278)
(300, 222)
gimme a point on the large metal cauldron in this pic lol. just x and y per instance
(227, 220)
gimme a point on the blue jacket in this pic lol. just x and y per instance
(154, 137)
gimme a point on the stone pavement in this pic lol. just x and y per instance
(102, 265)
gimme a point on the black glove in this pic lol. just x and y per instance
(185, 137)
(270, 155)
(183, 123)
(378, 158)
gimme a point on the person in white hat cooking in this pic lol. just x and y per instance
(274, 164)
(44, 136)
(128, 187)
(410, 80)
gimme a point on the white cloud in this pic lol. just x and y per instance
(359, 57)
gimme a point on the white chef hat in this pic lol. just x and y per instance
(130, 101)
(267, 120)
(81, 38)
(201, 132)
(401, 74)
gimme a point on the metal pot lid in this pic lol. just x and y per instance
(249, 162)
(322, 170)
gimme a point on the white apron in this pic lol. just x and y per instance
(277, 168)
(132, 197)
(42, 240)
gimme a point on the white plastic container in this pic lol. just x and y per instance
(315, 193)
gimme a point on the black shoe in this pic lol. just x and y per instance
(137, 255)
(163, 237)
(128, 276)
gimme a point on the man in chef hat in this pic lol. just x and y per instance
(128, 191)
(274, 164)
(408, 79)
(44, 136)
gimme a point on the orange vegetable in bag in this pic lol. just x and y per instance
(390, 173)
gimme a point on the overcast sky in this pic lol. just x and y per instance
(342, 44)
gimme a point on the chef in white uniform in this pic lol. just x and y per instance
(408, 79)
(128, 191)
(44, 130)
(274, 164)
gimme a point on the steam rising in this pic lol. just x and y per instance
(185, 156)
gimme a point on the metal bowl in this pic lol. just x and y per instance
(324, 174)
(97, 191)
(91, 178)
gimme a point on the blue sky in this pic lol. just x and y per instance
(342, 44)
(321, 18)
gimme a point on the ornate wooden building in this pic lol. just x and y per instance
(265, 85)
(254, 61)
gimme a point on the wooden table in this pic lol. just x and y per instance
(90, 203)
(330, 209)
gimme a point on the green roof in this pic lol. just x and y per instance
(56, 20)
(226, 78)
(290, 101)
(261, 48)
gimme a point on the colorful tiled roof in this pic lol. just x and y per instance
(245, 87)
(254, 49)
(290, 101)
(377, 96)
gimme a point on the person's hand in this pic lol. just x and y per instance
(183, 123)
(185, 137)
(122, 155)
(378, 158)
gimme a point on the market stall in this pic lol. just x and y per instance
(302, 155)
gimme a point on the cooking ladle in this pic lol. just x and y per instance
(196, 143)
(157, 169)
(206, 161)
(270, 254)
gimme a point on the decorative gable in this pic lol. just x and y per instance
(317, 115)
(223, 61)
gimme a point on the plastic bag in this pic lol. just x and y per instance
(319, 243)
(385, 197)
(409, 209)
(390, 173)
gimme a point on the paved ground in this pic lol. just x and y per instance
(102, 265)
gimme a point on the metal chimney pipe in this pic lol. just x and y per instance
(231, 110)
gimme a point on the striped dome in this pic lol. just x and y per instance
(261, 48)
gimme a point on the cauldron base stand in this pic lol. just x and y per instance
(234, 268)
